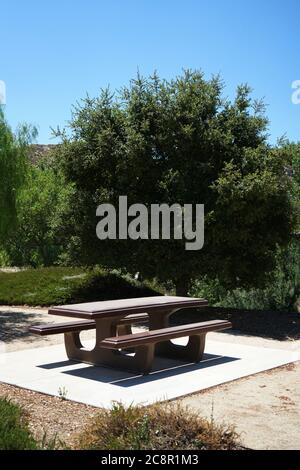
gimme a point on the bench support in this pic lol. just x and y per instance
(193, 351)
(140, 362)
(143, 356)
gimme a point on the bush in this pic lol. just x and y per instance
(4, 259)
(60, 285)
(157, 427)
(14, 432)
(281, 292)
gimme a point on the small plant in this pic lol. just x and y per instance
(157, 427)
(62, 393)
(14, 432)
(52, 443)
(141, 433)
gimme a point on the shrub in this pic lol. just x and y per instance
(156, 427)
(60, 285)
(281, 292)
(4, 259)
(14, 432)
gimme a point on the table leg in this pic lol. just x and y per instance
(194, 349)
(75, 350)
(141, 361)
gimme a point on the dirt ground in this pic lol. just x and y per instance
(50, 419)
(265, 408)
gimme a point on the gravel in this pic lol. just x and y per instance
(49, 417)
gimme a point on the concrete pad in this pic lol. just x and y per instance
(47, 370)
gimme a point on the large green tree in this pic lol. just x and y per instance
(178, 141)
(13, 155)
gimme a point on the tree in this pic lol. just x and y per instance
(292, 151)
(13, 153)
(42, 201)
(178, 141)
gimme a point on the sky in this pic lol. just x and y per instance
(54, 52)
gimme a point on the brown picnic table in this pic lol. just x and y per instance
(117, 346)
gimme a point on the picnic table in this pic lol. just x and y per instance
(117, 346)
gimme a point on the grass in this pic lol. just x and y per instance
(157, 427)
(14, 432)
(59, 285)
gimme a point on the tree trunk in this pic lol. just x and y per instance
(182, 286)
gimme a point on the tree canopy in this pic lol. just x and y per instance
(178, 141)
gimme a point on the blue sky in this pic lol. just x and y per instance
(53, 52)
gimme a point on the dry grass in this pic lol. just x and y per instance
(160, 426)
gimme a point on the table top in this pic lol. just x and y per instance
(122, 307)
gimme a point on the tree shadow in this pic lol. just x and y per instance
(110, 286)
(266, 324)
(15, 325)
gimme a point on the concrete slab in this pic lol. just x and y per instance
(47, 370)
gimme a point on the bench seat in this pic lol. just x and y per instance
(75, 326)
(164, 334)
(153, 343)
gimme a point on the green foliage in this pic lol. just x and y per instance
(58, 285)
(4, 259)
(209, 289)
(43, 200)
(282, 290)
(14, 433)
(13, 152)
(292, 151)
(158, 427)
(178, 141)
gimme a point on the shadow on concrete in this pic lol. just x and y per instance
(162, 368)
(57, 365)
